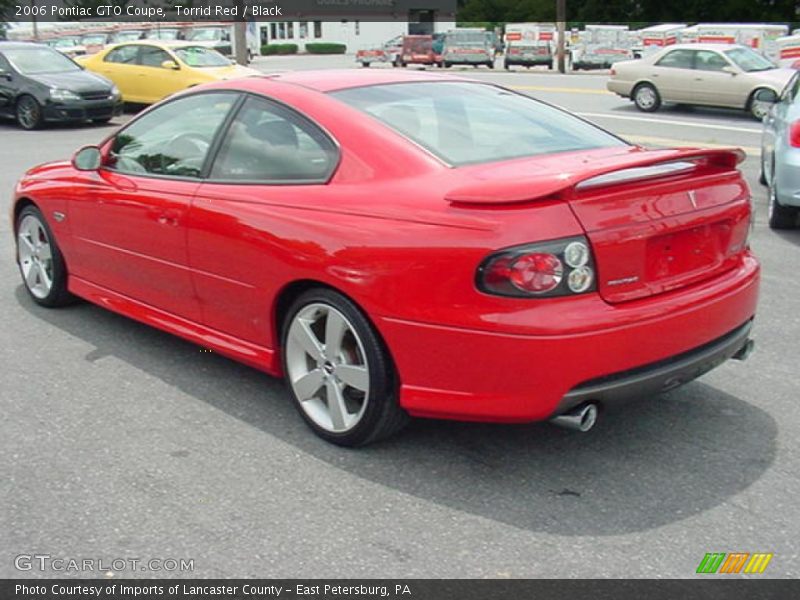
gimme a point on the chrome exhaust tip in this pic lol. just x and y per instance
(580, 419)
(745, 351)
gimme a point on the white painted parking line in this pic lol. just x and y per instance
(592, 115)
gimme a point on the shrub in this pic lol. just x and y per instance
(279, 49)
(325, 48)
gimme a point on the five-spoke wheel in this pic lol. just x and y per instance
(40, 261)
(340, 375)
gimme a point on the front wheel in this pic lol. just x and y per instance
(339, 374)
(41, 264)
(646, 98)
(29, 113)
(758, 110)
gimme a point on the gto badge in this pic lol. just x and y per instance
(59, 216)
(692, 198)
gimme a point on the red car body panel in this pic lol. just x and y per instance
(403, 234)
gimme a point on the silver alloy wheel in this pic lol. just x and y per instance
(35, 256)
(645, 97)
(327, 367)
(759, 109)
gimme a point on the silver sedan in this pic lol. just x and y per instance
(726, 75)
(780, 155)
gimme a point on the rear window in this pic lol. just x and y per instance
(467, 123)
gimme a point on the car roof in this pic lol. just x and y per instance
(340, 79)
(704, 46)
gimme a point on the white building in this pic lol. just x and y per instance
(354, 34)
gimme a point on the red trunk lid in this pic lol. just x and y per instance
(656, 220)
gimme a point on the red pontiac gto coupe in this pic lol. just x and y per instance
(400, 244)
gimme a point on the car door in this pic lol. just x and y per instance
(8, 87)
(119, 65)
(673, 75)
(715, 86)
(272, 166)
(776, 126)
(158, 81)
(129, 218)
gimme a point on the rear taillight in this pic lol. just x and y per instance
(555, 268)
(794, 134)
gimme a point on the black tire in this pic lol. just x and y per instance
(365, 64)
(506, 66)
(58, 295)
(382, 416)
(646, 97)
(780, 217)
(490, 65)
(447, 65)
(29, 112)
(757, 110)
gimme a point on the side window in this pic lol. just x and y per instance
(4, 63)
(707, 60)
(173, 139)
(791, 93)
(150, 56)
(269, 143)
(677, 59)
(124, 54)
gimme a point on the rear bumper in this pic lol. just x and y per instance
(467, 59)
(661, 376)
(449, 372)
(531, 62)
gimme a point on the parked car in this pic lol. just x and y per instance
(528, 54)
(418, 50)
(387, 52)
(468, 47)
(39, 84)
(149, 70)
(400, 243)
(780, 155)
(69, 45)
(725, 75)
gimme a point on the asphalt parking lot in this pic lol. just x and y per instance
(119, 441)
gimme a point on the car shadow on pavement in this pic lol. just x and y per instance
(790, 235)
(651, 464)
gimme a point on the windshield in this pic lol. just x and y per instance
(467, 39)
(129, 36)
(204, 35)
(749, 61)
(164, 34)
(91, 40)
(33, 61)
(465, 123)
(195, 56)
(67, 41)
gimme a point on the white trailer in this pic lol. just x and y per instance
(761, 37)
(652, 39)
(789, 51)
(601, 46)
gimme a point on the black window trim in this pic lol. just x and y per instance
(233, 109)
(216, 142)
(215, 148)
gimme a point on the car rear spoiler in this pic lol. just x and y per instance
(648, 164)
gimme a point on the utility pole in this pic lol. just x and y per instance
(561, 21)
(34, 22)
(240, 42)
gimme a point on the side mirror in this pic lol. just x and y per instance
(730, 70)
(87, 158)
(170, 64)
(765, 95)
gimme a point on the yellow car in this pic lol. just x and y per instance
(145, 71)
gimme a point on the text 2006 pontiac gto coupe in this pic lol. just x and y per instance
(400, 244)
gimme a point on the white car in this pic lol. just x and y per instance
(726, 75)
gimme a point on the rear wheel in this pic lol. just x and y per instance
(780, 217)
(341, 378)
(646, 97)
(29, 112)
(365, 64)
(40, 261)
